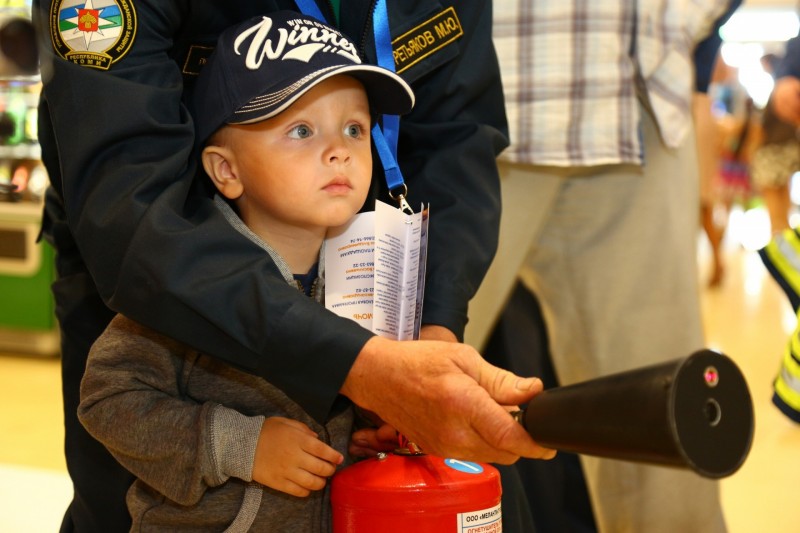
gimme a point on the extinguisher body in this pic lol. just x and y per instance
(422, 493)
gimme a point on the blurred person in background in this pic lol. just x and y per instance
(781, 256)
(785, 99)
(725, 154)
(775, 160)
(599, 98)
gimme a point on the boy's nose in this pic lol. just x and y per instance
(338, 152)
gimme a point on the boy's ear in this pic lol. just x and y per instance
(217, 163)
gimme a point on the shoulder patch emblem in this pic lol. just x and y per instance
(92, 33)
(418, 43)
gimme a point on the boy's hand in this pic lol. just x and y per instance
(291, 458)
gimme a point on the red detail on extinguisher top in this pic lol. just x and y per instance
(419, 493)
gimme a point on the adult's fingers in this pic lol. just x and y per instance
(444, 397)
(492, 430)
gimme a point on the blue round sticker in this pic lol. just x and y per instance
(464, 466)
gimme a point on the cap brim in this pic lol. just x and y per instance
(388, 93)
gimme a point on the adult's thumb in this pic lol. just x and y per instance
(507, 388)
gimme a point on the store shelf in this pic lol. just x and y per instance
(27, 267)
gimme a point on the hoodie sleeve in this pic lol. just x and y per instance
(132, 399)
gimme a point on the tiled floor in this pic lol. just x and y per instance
(34, 486)
(748, 318)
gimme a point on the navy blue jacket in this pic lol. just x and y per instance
(127, 205)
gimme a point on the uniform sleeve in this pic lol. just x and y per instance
(131, 401)
(118, 146)
(447, 150)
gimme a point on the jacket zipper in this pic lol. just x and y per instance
(362, 48)
(331, 13)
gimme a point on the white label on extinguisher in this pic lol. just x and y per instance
(485, 521)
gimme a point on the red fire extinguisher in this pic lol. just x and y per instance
(403, 492)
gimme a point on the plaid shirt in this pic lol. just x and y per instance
(575, 71)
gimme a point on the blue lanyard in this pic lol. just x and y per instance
(383, 47)
(310, 8)
(385, 139)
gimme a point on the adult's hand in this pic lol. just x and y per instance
(445, 398)
(785, 99)
(368, 442)
(432, 332)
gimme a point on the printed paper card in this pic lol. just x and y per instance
(375, 271)
(349, 269)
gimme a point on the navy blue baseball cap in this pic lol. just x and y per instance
(264, 64)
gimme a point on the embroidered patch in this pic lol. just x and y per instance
(425, 39)
(92, 33)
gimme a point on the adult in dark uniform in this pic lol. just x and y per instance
(126, 216)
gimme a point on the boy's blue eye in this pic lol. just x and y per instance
(353, 130)
(300, 132)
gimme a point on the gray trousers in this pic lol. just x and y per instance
(611, 255)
